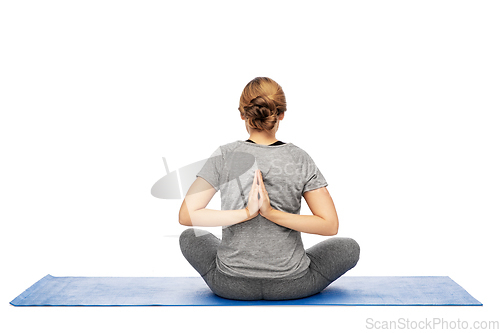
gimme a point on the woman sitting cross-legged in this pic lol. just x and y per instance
(262, 181)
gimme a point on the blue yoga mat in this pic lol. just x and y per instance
(178, 291)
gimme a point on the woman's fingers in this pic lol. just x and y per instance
(261, 181)
(259, 198)
(254, 183)
(255, 186)
(262, 187)
(253, 197)
(264, 202)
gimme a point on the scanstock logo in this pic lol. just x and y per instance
(175, 184)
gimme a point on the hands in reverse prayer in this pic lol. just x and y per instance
(258, 198)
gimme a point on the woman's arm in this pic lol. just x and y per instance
(194, 213)
(324, 221)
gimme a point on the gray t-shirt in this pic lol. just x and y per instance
(260, 247)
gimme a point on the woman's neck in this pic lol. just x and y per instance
(262, 138)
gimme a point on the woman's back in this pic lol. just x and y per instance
(262, 182)
(259, 247)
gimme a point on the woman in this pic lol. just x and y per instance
(262, 181)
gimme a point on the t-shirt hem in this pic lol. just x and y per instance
(293, 275)
(208, 181)
(315, 188)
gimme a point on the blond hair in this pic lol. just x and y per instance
(261, 102)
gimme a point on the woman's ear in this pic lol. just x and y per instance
(281, 116)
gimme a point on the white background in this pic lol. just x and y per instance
(396, 101)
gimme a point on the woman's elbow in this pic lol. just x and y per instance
(333, 229)
(184, 218)
(330, 233)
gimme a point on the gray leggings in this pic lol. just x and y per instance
(330, 259)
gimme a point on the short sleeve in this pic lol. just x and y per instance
(313, 177)
(211, 170)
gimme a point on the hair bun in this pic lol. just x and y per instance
(261, 102)
(259, 115)
(265, 102)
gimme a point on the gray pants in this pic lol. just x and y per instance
(330, 259)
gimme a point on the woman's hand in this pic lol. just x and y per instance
(253, 199)
(264, 202)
